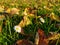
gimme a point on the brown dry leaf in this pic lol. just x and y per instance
(12, 10)
(42, 38)
(24, 42)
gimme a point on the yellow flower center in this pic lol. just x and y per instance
(17, 28)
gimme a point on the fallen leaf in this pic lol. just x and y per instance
(54, 17)
(54, 36)
(12, 11)
(24, 42)
(26, 21)
(42, 38)
(1, 9)
(37, 38)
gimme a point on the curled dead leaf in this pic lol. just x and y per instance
(12, 11)
(24, 42)
(41, 39)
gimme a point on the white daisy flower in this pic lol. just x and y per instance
(17, 29)
(42, 20)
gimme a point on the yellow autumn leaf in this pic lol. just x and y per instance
(54, 37)
(26, 21)
(55, 17)
(1, 9)
(22, 24)
(8, 10)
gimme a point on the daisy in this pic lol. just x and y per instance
(17, 29)
(42, 20)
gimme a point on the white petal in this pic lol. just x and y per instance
(42, 20)
(17, 28)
